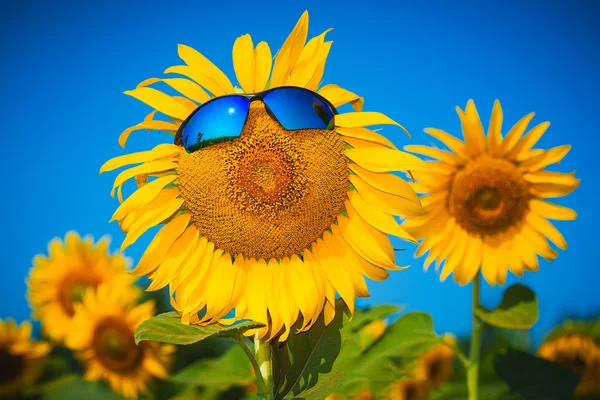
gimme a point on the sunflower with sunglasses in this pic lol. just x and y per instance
(271, 201)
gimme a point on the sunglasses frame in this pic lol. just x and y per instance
(251, 97)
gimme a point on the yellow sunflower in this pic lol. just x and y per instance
(581, 354)
(273, 222)
(486, 199)
(57, 281)
(102, 333)
(408, 389)
(436, 365)
(20, 357)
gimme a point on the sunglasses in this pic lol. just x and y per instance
(223, 118)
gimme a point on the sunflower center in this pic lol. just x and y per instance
(434, 370)
(488, 196)
(268, 193)
(411, 392)
(12, 366)
(115, 346)
(575, 362)
(73, 287)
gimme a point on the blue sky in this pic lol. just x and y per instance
(65, 68)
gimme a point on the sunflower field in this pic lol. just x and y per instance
(256, 209)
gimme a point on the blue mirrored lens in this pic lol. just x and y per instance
(215, 121)
(297, 108)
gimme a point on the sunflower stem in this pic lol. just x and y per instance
(260, 383)
(264, 358)
(473, 367)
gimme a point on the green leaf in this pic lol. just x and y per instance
(232, 369)
(167, 328)
(77, 390)
(364, 316)
(311, 364)
(517, 310)
(534, 378)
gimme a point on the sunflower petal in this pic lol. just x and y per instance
(142, 196)
(545, 227)
(189, 89)
(385, 160)
(159, 101)
(146, 168)
(311, 57)
(157, 249)
(495, 135)
(457, 146)
(365, 134)
(155, 125)
(529, 140)
(160, 151)
(442, 155)
(551, 156)
(334, 272)
(339, 96)
(222, 85)
(385, 182)
(244, 62)
(515, 133)
(472, 129)
(551, 211)
(364, 118)
(289, 52)
(387, 202)
(263, 63)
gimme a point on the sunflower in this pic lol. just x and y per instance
(436, 365)
(57, 281)
(486, 199)
(270, 224)
(408, 389)
(20, 357)
(102, 333)
(579, 352)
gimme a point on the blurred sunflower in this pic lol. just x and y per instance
(103, 335)
(20, 357)
(57, 281)
(579, 352)
(408, 389)
(486, 199)
(269, 206)
(436, 365)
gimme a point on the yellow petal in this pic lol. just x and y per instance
(364, 118)
(339, 96)
(263, 64)
(489, 263)
(142, 196)
(309, 61)
(538, 242)
(153, 214)
(441, 155)
(256, 300)
(387, 202)
(159, 101)
(221, 84)
(548, 190)
(369, 243)
(365, 134)
(289, 52)
(472, 129)
(157, 249)
(155, 125)
(515, 133)
(551, 211)
(456, 253)
(472, 259)
(244, 62)
(386, 182)
(530, 139)
(557, 178)
(385, 160)
(160, 151)
(314, 83)
(544, 227)
(195, 281)
(334, 272)
(304, 289)
(378, 219)
(551, 156)
(176, 256)
(495, 134)
(146, 168)
(454, 144)
(189, 89)
(147, 82)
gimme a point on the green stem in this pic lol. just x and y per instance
(473, 368)
(260, 383)
(264, 357)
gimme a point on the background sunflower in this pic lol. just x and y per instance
(57, 281)
(487, 199)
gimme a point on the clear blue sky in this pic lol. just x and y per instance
(65, 67)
